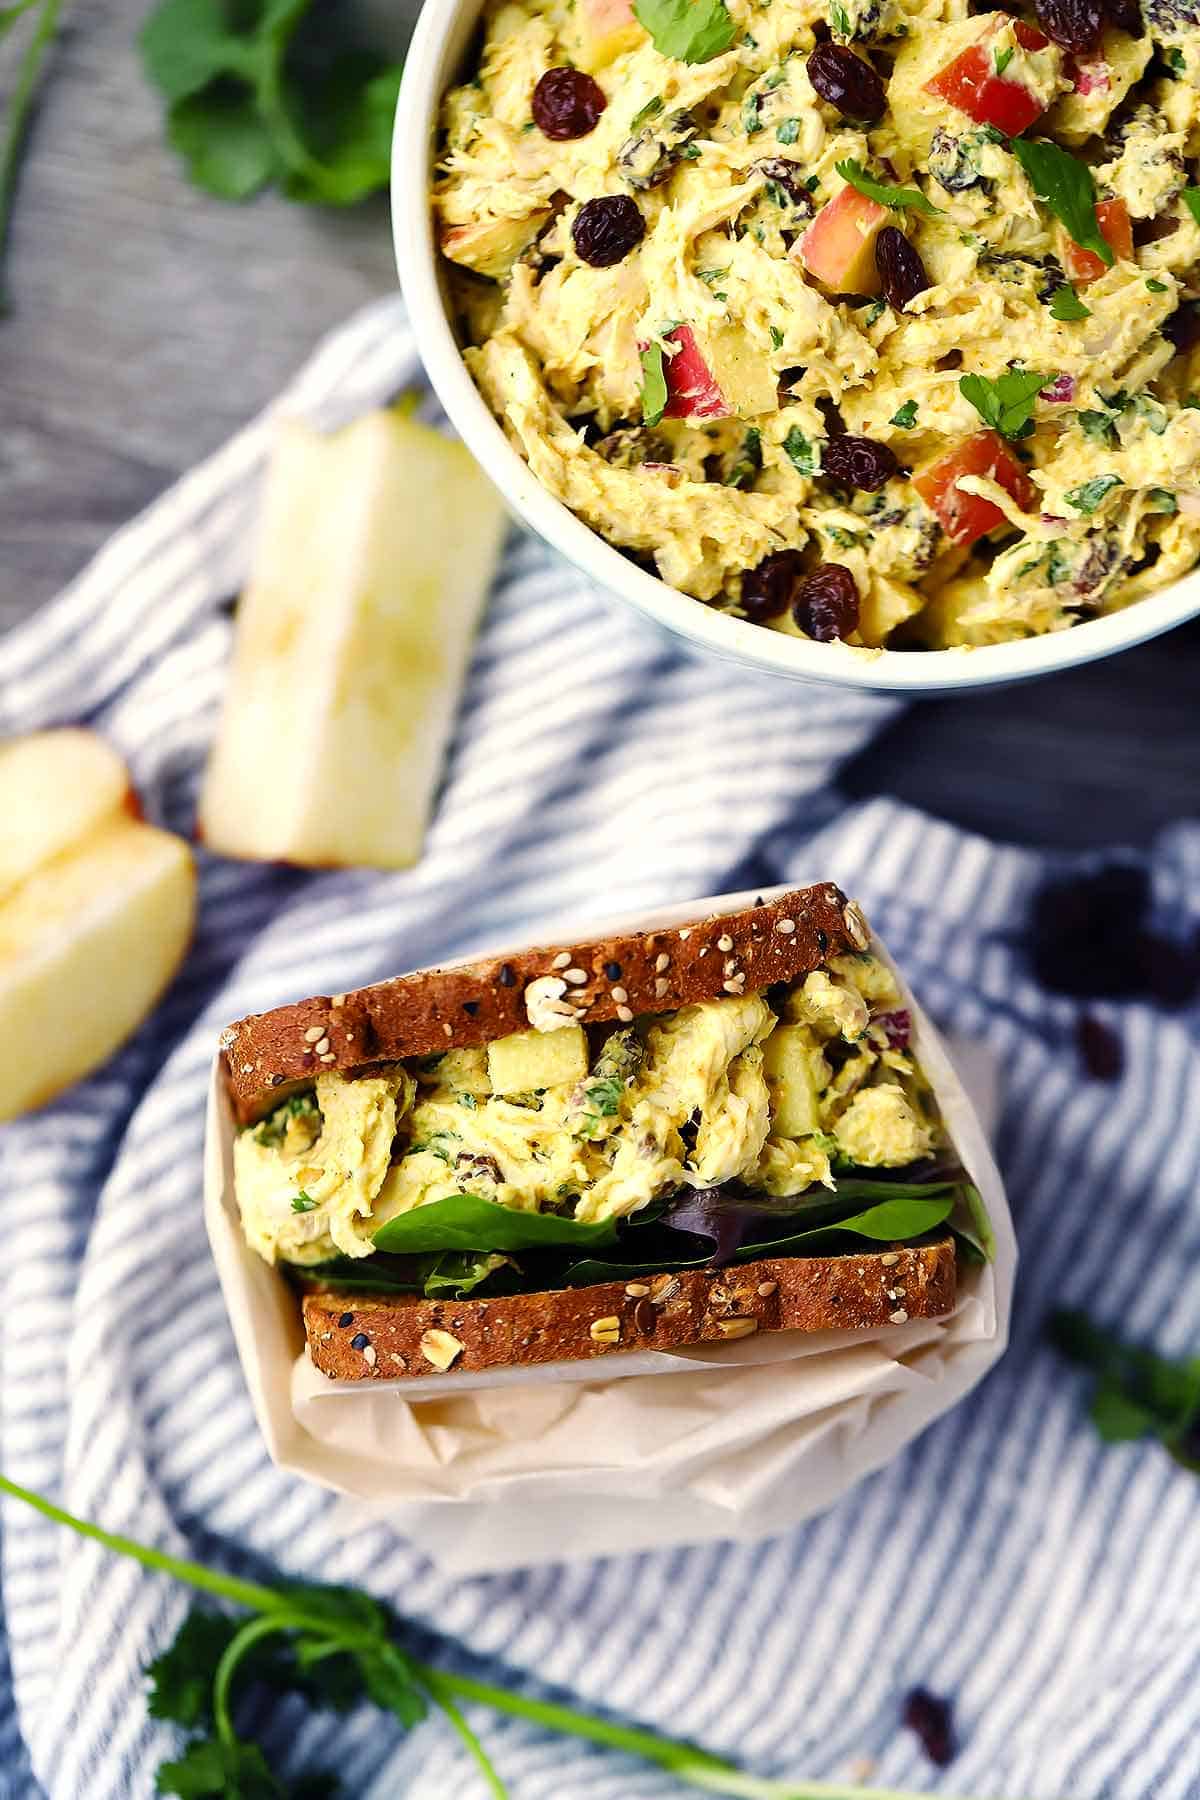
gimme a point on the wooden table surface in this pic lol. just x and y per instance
(148, 321)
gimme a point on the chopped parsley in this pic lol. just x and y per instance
(303, 1203)
(751, 121)
(905, 417)
(710, 277)
(789, 130)
(1007, 403)
(776, 338)
(1161, 500)
(651, 109)
(1003, 58)
(881, 192)
(1157, 287)
(691, 31)
(802, 453)
(1065, 185)
(469, 1101)
(748, 462)
(839, 18)
(1065, 304)
(654, 385)
(1087, 498)
(1191, 199)
(1098, 426)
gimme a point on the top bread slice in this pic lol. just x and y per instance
(269, 1055)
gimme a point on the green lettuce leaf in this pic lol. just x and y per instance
(465, 1222)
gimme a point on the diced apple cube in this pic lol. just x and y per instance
(964, 516)
(716, 376)
(492, 246)
(527, 1061)
(602, 31)
(377, 547)
(839, 246)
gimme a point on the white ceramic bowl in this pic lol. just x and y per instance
(435, 58)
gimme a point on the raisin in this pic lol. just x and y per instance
(1084, 932)
(771, 588)
(1183, 327)
(1126, 15)
(827, 603)
(1100, 1049)
(858, 462)
(606, 230)
(901, 270)
(1075, 24)
(847, 82)
(933, 1721)
(896, 1027)
(567, 104)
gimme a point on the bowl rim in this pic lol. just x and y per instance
(737, 640)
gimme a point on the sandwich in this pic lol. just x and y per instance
(659, 1139)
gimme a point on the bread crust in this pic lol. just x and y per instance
(269, 1055)
(356, 1337)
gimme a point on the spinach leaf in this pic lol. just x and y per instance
(691, 31)
(465, 1222)
(1065, 185)
(881, 192)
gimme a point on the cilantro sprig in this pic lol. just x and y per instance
(251, 100)
(1138, 1393)
(691, 31)
(898, 198)
(337, 1646)
(1191, 199)
(21, 99)
(1065, 185)
(1005, 404)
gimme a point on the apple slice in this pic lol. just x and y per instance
(964, 516)
(970, 83)
(603, 30)
(88, 942)
(376, 551)
(55, 788)
(491, 246)
(718, 375)
(839, 246)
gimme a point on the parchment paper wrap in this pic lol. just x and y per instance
(506, 1468)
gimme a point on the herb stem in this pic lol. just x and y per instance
(473, 1746)
(19, 110)
(235, 1650)
(228, 1587)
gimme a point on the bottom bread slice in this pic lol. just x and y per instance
(387, 1337)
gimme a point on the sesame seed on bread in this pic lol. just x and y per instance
(269, 1055)
(389, 1337)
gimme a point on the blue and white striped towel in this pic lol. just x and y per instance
(1048, 1584)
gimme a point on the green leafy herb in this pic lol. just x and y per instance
(467, 1222)
(1161, 500)
(776, 338)
(748, 462)
(905, 417)
(1175, 60)
(337, 1645)
(1097, 426)
(691, 31)
(1003, 58)
(874, 312)
(840, 20)
(1007, 403)
(802, 453)
(1066, 304)
(1065, 185)
(1087, 498)
(645, 113)
(881, 192)
(1156, 287)
(21, 99)
(251, 100)
(469, 1101)
(654, 385)
(1191, 199)
(303, 1203)
(751, 121)
(788, 130)
(1138, 1393)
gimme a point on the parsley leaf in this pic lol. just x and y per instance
(1138, 1393)
(905, 417)
(1065, 185)
(691, 31)
(1066, 304)
(1003, 58)
(645, 113)
(881, 192)
(211, 1769)
(1086, 498)
(802, 453)
(181, 1678)
(1006, 404)
(654, 385)
(1191, 199)
(1156, 287)
(789, 130)
(304, 1203)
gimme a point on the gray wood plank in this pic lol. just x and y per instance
(149, 321)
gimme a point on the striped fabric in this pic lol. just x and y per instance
(1007, 1559)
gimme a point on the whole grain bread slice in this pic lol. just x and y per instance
(389, 1337)
(269, 1055)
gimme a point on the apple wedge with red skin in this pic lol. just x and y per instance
(966, 517)
(971, 85)
(720, 376)
(1082, 266)
(839, 246)
(96, 912)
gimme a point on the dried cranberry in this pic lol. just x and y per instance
(827, 603)
(896, 1027)
(770, 589)
(567, 104)
(858, 462)
(1126, 15)
(1183, 327)
(933, 1721)
(1075, 24)
(606, 230)
(901, 270)
(848, 83)
(1084, 932)
(1100, 1048)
